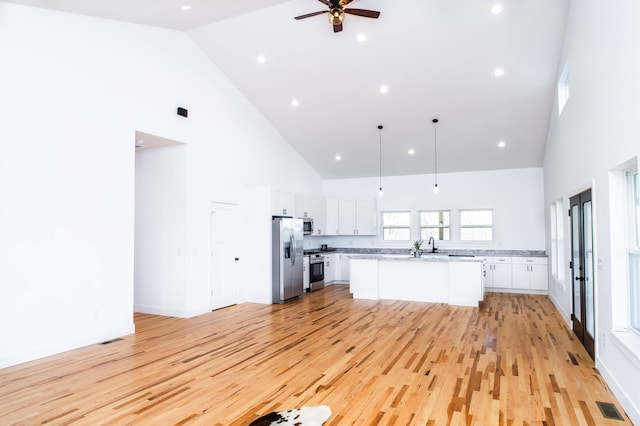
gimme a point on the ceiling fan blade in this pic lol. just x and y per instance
(326, 3)
(363, 12)
(309, 15)
(337, 28)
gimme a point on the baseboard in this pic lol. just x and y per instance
(625, 400)
(515, 291)
(8, 359)
(171, 312)
(566, 316)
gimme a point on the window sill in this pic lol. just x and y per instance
(629, 343)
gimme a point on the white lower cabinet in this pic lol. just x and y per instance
(343, 271)
(305, 273)
(530, 273)
(498, 272)
(330, 268)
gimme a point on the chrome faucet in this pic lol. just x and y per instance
(432, 242)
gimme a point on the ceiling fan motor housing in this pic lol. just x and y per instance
(336, 16)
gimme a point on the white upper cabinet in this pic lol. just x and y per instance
(282, 203)
(319, 222)
(350, 216)
(366, 216)
(312, 208)
(331, 217)
(347, 216)
(304, 207)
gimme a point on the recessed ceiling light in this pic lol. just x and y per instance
(338, 157)
(295, 102)
(186, 7)
(361, 38)
(261, 59)
(384, 89)
(499, 72)
(501, 144)
(412, 151)
(496, 9)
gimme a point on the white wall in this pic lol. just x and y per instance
(516, 197)
(74, 91)
(597, 131)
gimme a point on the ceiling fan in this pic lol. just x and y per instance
(337, 10)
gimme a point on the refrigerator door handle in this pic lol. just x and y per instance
(292, 244)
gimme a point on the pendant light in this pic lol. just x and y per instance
(380, 192)
(435, 156)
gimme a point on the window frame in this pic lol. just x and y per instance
(440, 227)
(632, 186)
(476, 226)
(383, 227)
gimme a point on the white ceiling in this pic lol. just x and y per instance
(437, 58)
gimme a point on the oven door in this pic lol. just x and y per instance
(316, 274)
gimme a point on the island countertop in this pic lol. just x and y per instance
(426, 257)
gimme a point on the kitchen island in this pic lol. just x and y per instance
(430, 278)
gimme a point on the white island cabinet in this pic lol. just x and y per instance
(436, 279)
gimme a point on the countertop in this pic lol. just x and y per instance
(428, 257)
(445, 252)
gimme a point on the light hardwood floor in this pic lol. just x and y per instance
(511, 362)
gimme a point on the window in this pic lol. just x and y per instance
(563, 88)
(476, 225)
(554, 239)
(633, 191)
(436, 224)
(396, 226)
(557, 240)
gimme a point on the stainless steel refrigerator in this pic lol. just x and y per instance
(286, 252)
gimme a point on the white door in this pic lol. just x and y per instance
(223, 255)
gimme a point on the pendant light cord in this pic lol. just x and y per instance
(435, 151)
(435, 154)
(380, 155)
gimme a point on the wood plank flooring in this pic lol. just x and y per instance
(511, 362)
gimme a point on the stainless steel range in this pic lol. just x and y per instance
(316, 271)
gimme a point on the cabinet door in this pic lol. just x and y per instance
(343, 271)
(487, 272)
(319, 213)
(521, 276)
(366, 217)
(539, 277)
(332, 224)
(305, 273)
(329, 269)
(502, 273)
(347, 216)
(282, 204)
(303, 207)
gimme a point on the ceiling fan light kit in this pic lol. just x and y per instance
(336, 13)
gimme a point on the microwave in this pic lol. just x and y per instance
(307, 226)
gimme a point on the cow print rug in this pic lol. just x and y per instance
(305, 416)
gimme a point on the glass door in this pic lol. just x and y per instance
(583, 316)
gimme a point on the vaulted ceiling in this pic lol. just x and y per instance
(437, 59)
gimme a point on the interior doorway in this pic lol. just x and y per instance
(223, 263)
(583, 316)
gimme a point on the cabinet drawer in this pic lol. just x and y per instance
(530, 260)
